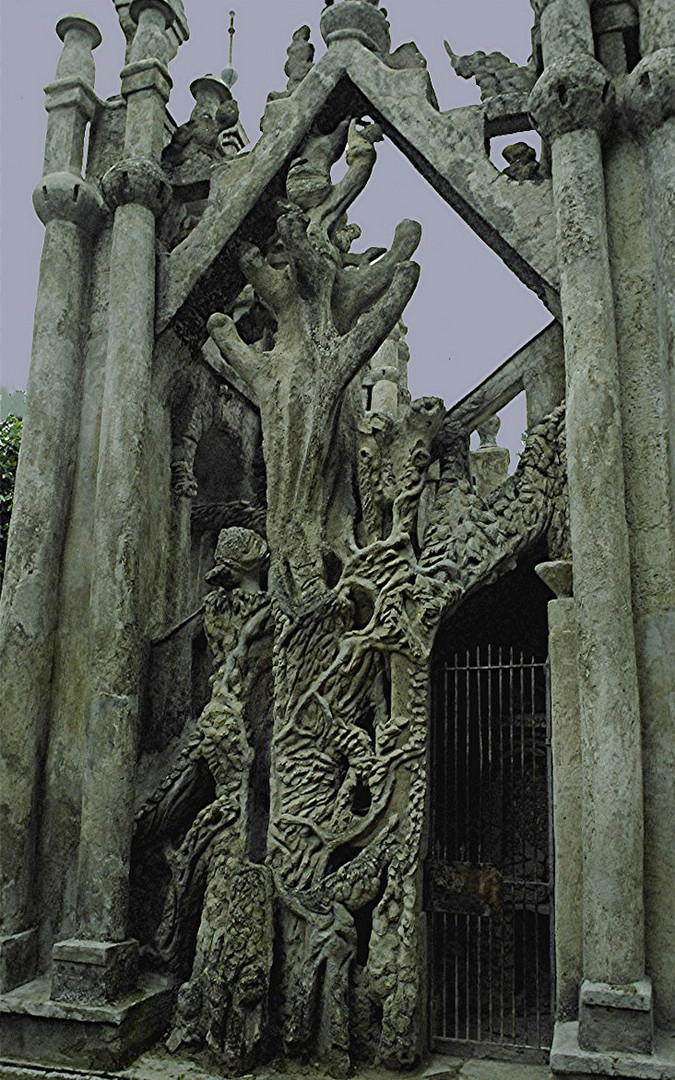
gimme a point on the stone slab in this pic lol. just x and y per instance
(637, 995)
(569, 1060)
(158, 1065)
(35, 1029)
(18, 958)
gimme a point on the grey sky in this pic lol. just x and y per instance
(469, 312)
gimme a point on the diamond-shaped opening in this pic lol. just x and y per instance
(469, 312)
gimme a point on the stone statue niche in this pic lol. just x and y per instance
(285, 846)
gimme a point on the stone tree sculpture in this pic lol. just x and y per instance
(216, 832)
(334, 892)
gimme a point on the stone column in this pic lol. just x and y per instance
(72, 211)
(101, 963)
(572, 104)
(563, 657)
(650, 110)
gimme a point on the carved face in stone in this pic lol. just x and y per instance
(240, 555)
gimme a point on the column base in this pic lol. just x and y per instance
(35, 1030)
(570, 1060)
(93, 972)
(18, 959)
(616, 1018)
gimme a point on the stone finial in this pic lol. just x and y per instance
(360, 20)
(213, 130)
(70, 99)
(80, 36)
(230, 74)
(488, 431)
(151, 41)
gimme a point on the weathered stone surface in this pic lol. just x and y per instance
(248, 535)
(38, 1030)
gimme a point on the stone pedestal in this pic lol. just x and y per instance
(490, 468)
(489, 463)
(93, 972)
(616, 1018)
(570, 1060)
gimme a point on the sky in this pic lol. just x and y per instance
(469, 313)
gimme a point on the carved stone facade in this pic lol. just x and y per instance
(237, 543)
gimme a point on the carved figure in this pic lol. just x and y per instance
(493, 72)
(353, 612)
(202, 136)
(522, 161)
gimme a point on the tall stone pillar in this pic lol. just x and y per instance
(572, 104)
(650, 109)
(101, 963)
(72, 211)
(563, 658)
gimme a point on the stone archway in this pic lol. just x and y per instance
(489, 869)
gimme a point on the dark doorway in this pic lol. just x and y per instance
(489, 873)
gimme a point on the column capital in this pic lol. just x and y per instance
(80, 36)
(649, 96)
(137, 180)
(64, 196)
(572, 95)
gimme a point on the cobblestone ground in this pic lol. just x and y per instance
(152, 1067)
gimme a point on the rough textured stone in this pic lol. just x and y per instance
(235, 537)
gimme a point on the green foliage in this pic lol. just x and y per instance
(10, 440)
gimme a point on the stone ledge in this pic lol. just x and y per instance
(34, 1029)
(568, 1059)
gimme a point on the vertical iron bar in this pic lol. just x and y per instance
(524, 816)
(467, 974)
(481, 721)
(502, 837)
(456, 764)
(490, 967)
(550, 866)
(467, 690)
(456, 951)
(444, 974)
(535, 838)
(479, 980)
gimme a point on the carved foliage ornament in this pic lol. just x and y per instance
(340, 629)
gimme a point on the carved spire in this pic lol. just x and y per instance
(230, 74)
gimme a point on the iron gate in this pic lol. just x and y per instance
(489, 887)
